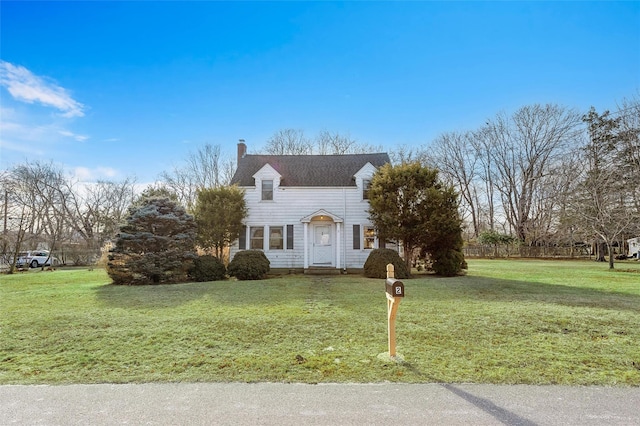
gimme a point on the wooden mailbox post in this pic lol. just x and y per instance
(395, 293)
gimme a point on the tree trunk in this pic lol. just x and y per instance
(21, 234)
(610, 247)
(408, 255)
(600, 252)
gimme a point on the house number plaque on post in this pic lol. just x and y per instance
(395, 293)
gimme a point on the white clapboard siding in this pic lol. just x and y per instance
(291, 204)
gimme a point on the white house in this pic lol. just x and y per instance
(308, 212)
(634, 247)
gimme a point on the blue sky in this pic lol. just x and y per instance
(116, 89)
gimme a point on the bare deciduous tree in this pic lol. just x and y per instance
(294, 142)
(404, 154)
(41, 197)
(602, 201)
(481, 143)
(525, 148)
(205, 168)
(19, 216)
(289, 142)
(95, 211)
(334, 143)
(629, 115)
(45, 207)
(455, 157)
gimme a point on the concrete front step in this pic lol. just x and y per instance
(320, 270)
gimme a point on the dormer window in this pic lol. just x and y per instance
(267, 190)
(366, 184)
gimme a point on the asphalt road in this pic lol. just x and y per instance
(323, 404)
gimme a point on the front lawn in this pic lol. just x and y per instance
(516, 321)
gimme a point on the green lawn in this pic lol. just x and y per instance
(507, 321)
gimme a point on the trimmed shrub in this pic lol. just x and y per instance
(207, 268)
(376, 264)
(249, 265)
(448, 263)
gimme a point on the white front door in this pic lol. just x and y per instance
(322, 245)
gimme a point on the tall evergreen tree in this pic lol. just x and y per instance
(443, 239)
(409, 203)
(156, 245)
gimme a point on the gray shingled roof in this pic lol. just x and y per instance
(308, 170)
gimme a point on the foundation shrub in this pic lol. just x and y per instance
(207, 268)
(249, 265)
(376, 264)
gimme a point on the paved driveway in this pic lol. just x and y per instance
(324, 404)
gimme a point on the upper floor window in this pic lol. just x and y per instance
(366, 184)
(267, 190)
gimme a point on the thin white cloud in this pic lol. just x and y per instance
(79, 138)
(82, 173)
(19, 148)
(26, 131)
(21, 134)
(107, 171)
(27, 87)
(86, 174)
(15, 133)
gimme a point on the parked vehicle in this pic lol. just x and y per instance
(35, 258)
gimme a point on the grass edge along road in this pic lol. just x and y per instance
(506, 321)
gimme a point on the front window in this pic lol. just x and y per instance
(275, 238)
(366, 184)
(257, 238)
(267, 190)
(369, 237)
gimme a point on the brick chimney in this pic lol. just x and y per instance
(242, 149)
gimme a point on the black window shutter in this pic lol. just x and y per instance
(242, 239)
(289, 237)
(356, 237)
